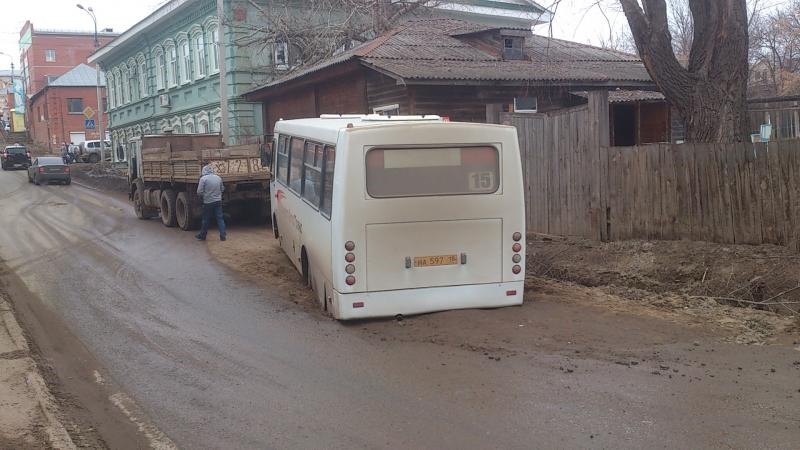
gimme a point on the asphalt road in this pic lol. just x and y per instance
(216, 362)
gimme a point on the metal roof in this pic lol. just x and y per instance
(80, 76)
(438, 49)
(626, 96)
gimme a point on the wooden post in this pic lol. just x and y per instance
(600, 141)
(493, 111)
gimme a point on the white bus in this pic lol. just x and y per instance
(387, 216)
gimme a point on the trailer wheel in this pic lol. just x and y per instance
(168, 200)
(143, 212)
(183, 212)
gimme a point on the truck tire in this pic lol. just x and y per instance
(258, 212)
(168, 200)
(143, 212)
(93, 158)
(184, 213)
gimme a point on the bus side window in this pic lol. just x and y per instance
(312, 179)
(296, 164)
(327, 180)
(282, 160)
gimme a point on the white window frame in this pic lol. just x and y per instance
(277, 47)
(173, 67)
(126, 88)
(213, 42)
(161, 68)
(133, 81)
(118, 100)
(50, 55)
(200, 65)
(143, 91)
(517, 110)
(184, 60)
(110, 91)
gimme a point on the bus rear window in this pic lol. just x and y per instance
(416, 172)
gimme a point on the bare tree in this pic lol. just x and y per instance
(681, 26)
(305, 32)
(710, 93)
(709, 89)
(776, 51)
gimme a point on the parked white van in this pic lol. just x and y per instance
(387, 216)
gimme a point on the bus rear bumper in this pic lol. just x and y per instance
(426, 300)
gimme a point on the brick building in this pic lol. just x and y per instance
(47, 54)
(56, 112)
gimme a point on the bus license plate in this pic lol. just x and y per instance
(429, 261)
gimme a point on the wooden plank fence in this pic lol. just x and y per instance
(728, 193)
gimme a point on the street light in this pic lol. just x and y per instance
(90, 11)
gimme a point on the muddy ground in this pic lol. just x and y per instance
(637, 278)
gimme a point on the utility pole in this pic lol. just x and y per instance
(223, 73)
(100, 108)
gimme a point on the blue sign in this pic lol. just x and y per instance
(89, 123)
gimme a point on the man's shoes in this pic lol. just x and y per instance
(200, 238)
(223, 238)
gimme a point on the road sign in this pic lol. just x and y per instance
(89, 123)
(88, 112)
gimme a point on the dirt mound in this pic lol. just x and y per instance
(106, 178)
(755, 289)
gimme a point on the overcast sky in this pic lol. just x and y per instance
(572, 21)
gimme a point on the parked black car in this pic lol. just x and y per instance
(15, 157)
(46, 169)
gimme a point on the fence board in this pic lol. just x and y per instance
(742, 193)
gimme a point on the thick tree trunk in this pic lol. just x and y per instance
(709, 94)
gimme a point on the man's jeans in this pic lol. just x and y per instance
(208, 209)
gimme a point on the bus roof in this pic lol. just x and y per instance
(328, 126)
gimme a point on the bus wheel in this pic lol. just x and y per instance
(183, 212)
(304, 266)
(168, 200)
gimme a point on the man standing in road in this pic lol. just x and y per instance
(210, 191)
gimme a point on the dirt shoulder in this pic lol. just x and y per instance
(641, 280)
(29, 415)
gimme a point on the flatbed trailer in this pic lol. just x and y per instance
(165, 170)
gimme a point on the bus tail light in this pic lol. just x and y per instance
(517, 236)
(511, 293)
(350, 269)
(349, 246)
(350, 257)
(516, 269)
(358, 304)
(350, 280)
(517, 247)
